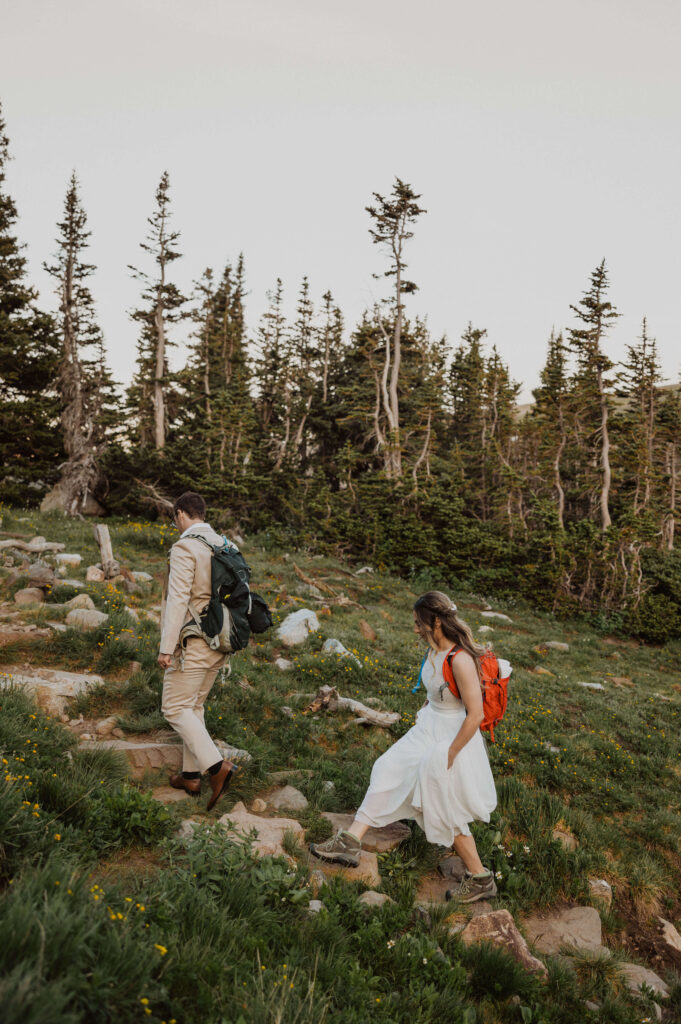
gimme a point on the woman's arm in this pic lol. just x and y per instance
(468, 683)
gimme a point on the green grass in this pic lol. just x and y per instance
(613, 782)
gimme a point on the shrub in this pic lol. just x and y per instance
(126, 817)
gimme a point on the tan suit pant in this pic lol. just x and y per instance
(185, 690)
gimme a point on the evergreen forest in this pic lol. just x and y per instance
(372, 440)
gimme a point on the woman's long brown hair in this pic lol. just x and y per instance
(434, 605)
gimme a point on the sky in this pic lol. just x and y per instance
(542, 136)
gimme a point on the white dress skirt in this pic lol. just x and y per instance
(411, 780)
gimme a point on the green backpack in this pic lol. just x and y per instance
(234, 611)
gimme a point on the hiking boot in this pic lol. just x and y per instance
(342, 848)
(472, 888)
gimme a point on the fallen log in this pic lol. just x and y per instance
(34, 549)
(327, 698)
(110, 566)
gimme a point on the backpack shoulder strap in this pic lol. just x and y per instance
(448, 671)
(418, 682)
(204, 540)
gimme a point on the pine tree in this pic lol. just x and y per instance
(595, 314)
(272, 375)
(30, 447)
(392, 217)
(550, 414)
(84, 383)
(639, 383)
(163, 306)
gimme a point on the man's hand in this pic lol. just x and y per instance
(165, 660)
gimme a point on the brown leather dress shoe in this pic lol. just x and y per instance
(190, 786)
(220, 782)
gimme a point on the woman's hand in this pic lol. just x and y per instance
(451, 754)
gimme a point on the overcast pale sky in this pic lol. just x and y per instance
(543, 137)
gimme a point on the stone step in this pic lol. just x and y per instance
(143, 757)
(376, 840)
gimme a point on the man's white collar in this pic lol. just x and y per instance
(194, 526)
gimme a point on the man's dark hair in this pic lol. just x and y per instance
(192, 504)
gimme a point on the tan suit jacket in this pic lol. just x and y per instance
(188, 583)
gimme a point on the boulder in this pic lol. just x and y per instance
(58, 627)
(315, 907)
(376, 840)
(297, 626)
(231, 753)
(541, 671)
(133, 613)
(29, 595)
(41, 575)
(287, 797)
(144, 578)
(68, 582)
(332, 646)
(576, 926)
(635, 976)
(485, 629)
(364, 570)
(367, 631)
(85, 618)
(268, 842)
(284, 665)
(51, 688)
(591, 686)
(601, 890)
(556, 645)
(258, 805)
(71, 560)
(565, 838)
(367, 870)
(106, 726)
(80, 601)
(499, 928)
(498, 616)
(373, 900)
(93, 574)
(670, 935)
(187, 827)
(143, 757)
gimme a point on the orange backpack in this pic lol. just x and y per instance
(494, 674)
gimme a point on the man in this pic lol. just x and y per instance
(188, 680)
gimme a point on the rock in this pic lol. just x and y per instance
(258, 806)
(169, 795)
(284, 665)
(367, 871)
(499, 616)
(80, 601)
(288, 797)
(601, 890)
(576, 926)
(93, 574)
(485, 629)
(376, 840)
(556, 645)
(372, 900)
(62, 570)
(328, 786)
(118, 733)
(133, 613)
(591, 1006)
(364, 570)
(332, 646)
(670, 935)
(58, 627)
(75, 584)
(551, 748)
(29, 595)
(452, 868)
(315, 907)
(366, 630)
(41, 575)
(143, 757)
(51, 688)
(71, 560)
(86, 737)
(135, 666)
(541, 671)
(106, 726)
(85, 618)
(287, 711)
(565, 838)
(314, 592)
(231, 753)
(270, 830)
(143, 577)
(499, 928)
(187, 828)
(622, 681)
(635, 976)
(592, 686)
(420, 914)
(317, 881)
(296, 627)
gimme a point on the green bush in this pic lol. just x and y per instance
(127, 817)
(656, 620)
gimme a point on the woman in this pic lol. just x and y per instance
(438, 772)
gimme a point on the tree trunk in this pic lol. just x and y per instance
(158, 399)
(605, 458)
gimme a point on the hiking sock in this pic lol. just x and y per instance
(484, 874)
(215, 768)
(191, 775)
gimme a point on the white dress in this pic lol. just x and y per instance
(411, 780)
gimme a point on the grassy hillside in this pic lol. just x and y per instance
(114, 918)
